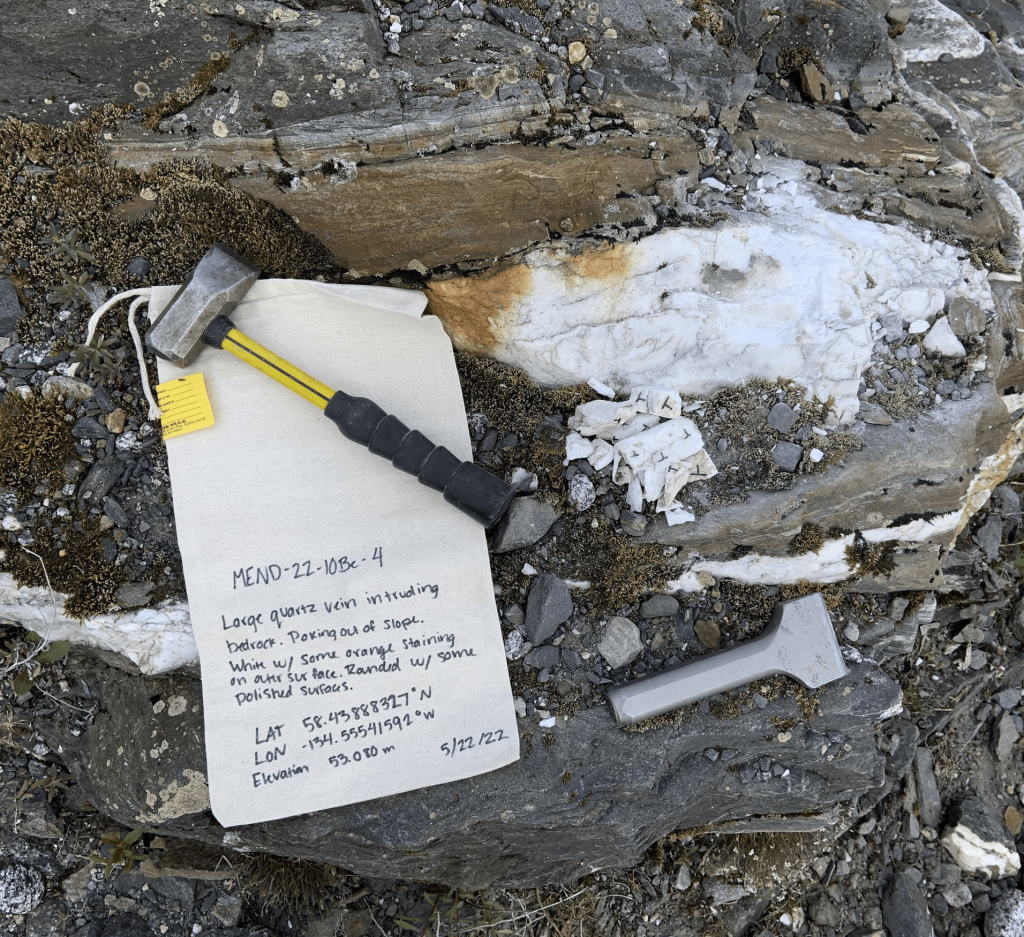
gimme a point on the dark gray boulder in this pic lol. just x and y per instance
(904, 908)
(582, 796)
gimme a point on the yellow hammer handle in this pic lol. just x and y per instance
(285, 373)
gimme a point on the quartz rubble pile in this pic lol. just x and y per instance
(650, 446)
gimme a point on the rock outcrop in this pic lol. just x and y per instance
(673, 192)
(583, 796)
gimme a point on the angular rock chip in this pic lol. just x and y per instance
(99, 481)
(787, 455)
(88, 428)
(547, 607)
(965, 318)
(115, 512)
(708, 633)
(10, 306)
(659, 605)
(1006, 917)
(782, 417)
(525, 523)
(957, 895)
(941, 340)
(633, 524)
(115, 420)
(1006, 737)
(875, 415)
(927, 788)
(814, 84)
(621, 643)
(989, 537)
(134, 594)
(743, 915)
(543, 658)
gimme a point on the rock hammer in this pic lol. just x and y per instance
(199, 314)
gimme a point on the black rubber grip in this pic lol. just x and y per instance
(470, 488)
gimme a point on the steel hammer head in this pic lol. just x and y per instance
(220, 278)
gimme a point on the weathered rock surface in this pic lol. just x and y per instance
(925, 465)
(621, 643)
(21, 889)
(523, 825)
(976, 840)
(1006, 918)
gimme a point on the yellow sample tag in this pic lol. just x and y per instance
(185, 405)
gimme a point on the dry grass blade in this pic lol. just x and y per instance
(296, 884)
(531, 916)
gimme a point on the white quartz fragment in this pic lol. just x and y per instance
(576, 447)
(10, 522)
(977, 855)
(816, 455)
(677, 514)
(918, 326)
(942, 340)
(656, 450)
(635, 424)
(601, 455)
(660, 401)
(596, 418)
(635, 496)
(918, 303)
(651, 454)
(603, 389)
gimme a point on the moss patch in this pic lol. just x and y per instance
(35, 444)
(57, 179)
(73, 554)
(810, 539)
(61, 176)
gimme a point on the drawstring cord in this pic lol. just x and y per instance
(142, 297)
